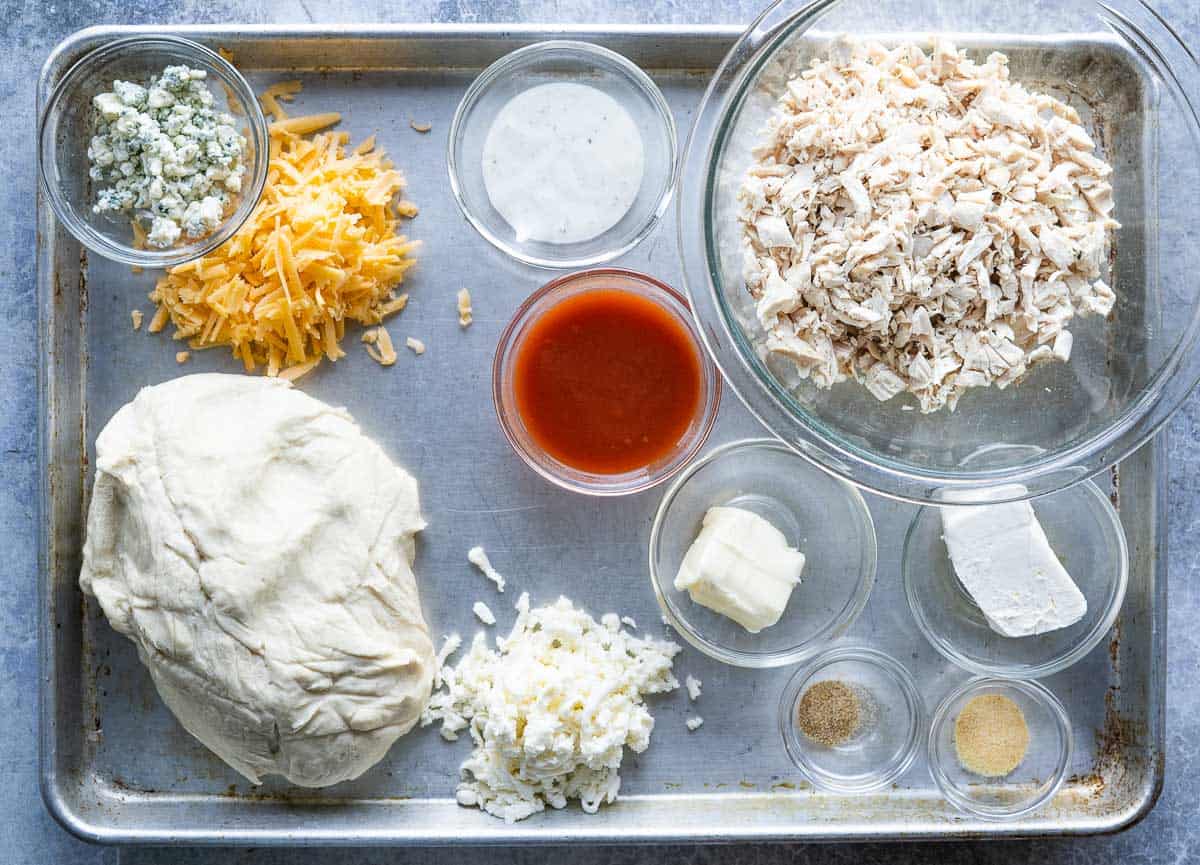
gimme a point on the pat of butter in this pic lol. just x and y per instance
(741, 567)
(1004, 561)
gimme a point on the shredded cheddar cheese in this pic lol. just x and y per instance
(285, 90)
(320, 249)
(464, 307)
(380, 347)
(160, 320)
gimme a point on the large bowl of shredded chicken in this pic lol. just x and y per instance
(944, 254)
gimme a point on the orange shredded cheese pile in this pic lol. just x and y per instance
(320, 249)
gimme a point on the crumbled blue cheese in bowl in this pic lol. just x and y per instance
(164, 154)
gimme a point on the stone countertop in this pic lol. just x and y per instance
(29, 835)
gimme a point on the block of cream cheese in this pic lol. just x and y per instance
(1002, 558)
(741, 567)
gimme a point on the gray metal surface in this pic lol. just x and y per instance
(116, 766)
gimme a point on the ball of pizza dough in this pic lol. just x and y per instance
(258, 548)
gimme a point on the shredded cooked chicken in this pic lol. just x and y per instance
(922, 223)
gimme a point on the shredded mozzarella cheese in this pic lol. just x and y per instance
(551, 709)
(479, 559)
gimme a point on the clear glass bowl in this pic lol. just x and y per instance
(1038, 777)
(66, 129)
(1084, 531)
(822, 516)
(543, 63)
(891, 727)
(556, 471)
(1137, 85)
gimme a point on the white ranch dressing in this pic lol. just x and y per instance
(562, 163)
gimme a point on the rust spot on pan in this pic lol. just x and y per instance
(1092, 779)
(126, 787)
(1117, 741)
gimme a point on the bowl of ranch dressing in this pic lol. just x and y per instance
(563, 154)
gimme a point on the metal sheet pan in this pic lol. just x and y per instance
(117, 767)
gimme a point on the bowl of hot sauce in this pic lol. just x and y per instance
(601, 383)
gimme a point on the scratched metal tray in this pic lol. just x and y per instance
(117, 767)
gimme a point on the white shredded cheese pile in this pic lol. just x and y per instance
(550, 709)
(923, 223)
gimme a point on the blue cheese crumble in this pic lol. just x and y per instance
(166, 156)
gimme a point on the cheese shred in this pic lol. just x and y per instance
(380, 347)
(320, 249)
(464, 307)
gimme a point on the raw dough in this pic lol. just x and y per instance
(258, 549)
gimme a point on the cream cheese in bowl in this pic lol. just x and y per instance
(562, 162)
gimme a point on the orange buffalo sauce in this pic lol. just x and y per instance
(607, 381)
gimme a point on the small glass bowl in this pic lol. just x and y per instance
(504, 397)
(66, 129)
(891, 728)
(544, 63)
(822, 516)
(1085, 532)
(1034, 782)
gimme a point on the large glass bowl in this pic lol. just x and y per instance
(1134, 82)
